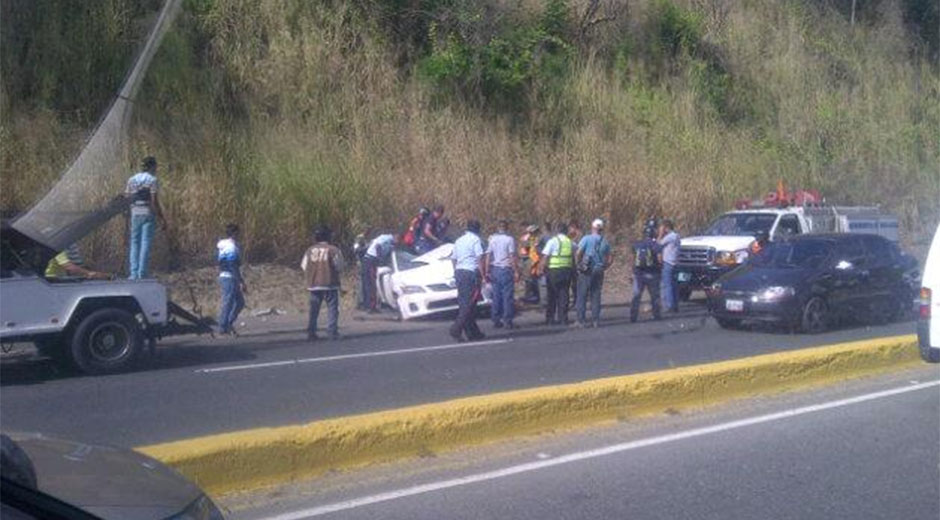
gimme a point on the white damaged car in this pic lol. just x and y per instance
(418, 286)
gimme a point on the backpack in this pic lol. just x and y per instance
(645, 258)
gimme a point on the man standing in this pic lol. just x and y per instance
(323, 265)
(559, 252)
(502, 270)
(359, 249)
(669, 240)
(142, 190)
(646, 271)
(378, 253)
(230, 280)
(593, 259)
(529, 253)
(467, 256)
(430, 236)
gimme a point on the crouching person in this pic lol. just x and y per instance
(322, 265)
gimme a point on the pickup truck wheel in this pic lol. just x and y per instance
(106, 341)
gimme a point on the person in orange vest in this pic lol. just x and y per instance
(529, 254)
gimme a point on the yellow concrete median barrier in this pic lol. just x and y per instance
(252, 459)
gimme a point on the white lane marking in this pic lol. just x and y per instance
(591, 454)
(354, 356)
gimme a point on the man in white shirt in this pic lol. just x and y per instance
(669, 240)
(502, 271)
(378, 253)
(467, 257)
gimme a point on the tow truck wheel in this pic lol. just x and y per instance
(106, 341)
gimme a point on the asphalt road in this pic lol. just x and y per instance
(867, 449)
(204, 386)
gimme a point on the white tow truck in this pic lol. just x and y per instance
(728, 241)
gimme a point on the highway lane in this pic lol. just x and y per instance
(867, 449)
(201, 387)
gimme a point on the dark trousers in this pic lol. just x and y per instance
(559, 286)
(649, 281)
(317, 298)
(590, 286)
(504, 303)
(367, 272)
(361, 302)
(468, 284)
(532, 290)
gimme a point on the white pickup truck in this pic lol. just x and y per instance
(727, 242)
(92, 325)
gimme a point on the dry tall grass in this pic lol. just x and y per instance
(298, 113)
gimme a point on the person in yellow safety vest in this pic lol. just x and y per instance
(560, 268)
(529, 252)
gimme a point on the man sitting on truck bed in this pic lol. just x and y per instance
(68, 264)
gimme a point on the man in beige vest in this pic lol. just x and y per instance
(322, 265)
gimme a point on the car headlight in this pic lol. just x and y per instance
(200, 509)
(772, 294)
(412, 289)
(731, 257)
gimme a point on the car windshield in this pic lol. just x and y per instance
(801, 253)
(738, 224)
(405, 260)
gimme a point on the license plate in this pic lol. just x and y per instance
(734, 305)
(684, 276)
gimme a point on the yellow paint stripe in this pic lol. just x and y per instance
(263, 457)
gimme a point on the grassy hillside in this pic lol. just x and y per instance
(283, 113)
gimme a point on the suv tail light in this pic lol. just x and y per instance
(925, 297)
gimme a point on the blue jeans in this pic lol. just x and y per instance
(589, 284)
(668, 285)
(504, 286)
(233, 301)
(649, 281)
(317, 298)
(142, 228)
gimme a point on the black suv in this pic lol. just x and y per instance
(810, 281)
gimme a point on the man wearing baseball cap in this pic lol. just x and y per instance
(592, 259)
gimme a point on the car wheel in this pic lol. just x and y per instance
(728, 323)
(815, 318)
(106, 341)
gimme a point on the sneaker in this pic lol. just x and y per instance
(596, 324)
(510, 325)
(312, 337)
(498, 324)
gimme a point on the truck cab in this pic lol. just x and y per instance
(727, 243)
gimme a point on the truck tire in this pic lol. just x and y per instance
(106, 341)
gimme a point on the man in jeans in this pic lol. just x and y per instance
(142, 190)
(501, 268)
(378, 253)
(230, 280)
(322, 265)
(593, 259)
(559, 255)
(467, 257)
(669, 241)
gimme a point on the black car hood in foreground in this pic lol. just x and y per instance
(750, 278)
(106, 482)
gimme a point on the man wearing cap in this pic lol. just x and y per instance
(467, 257)
(593, 259)
(501, 268)
(142, 190)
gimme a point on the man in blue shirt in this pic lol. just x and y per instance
(467, 257)
(230, 280)
(593, 259)
(502, 271)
